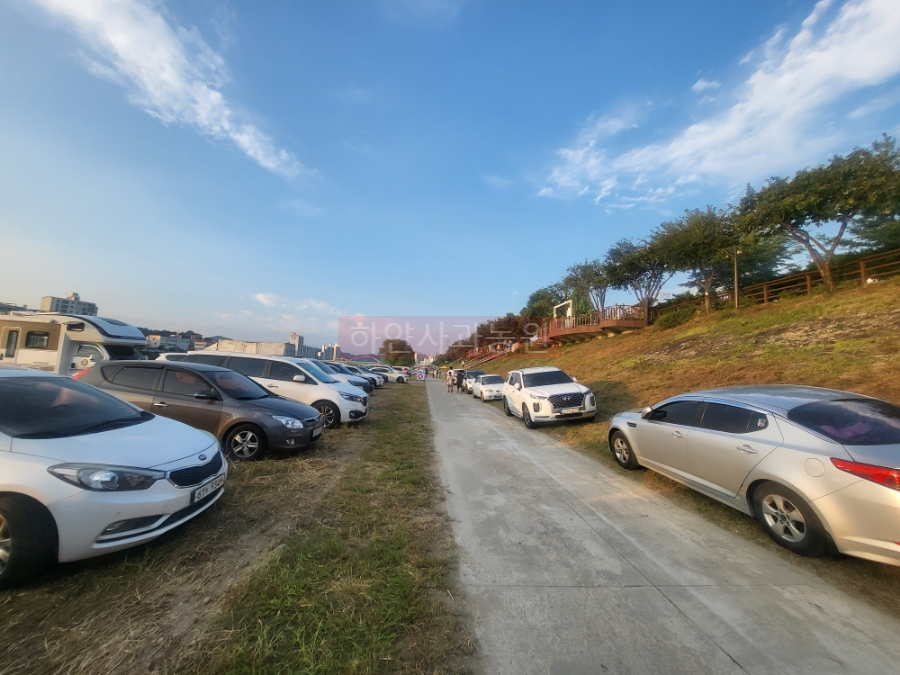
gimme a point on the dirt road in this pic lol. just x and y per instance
(570, 569)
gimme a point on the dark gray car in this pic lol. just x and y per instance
(246, 418)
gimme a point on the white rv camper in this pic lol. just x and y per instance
(66, 343)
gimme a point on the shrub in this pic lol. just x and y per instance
(676, 317)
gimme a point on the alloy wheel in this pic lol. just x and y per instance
(5, 543)
(327, 414)
(245, 444)
(620, 447)
(784, 518)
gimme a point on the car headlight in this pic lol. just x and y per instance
(539, 398)
(289, 422)
(106, 478)
(352, 397)
(591, 400)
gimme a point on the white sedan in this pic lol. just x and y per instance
(488, 387)
(392, 374)
(83, 473)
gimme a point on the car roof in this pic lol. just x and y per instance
(190, 365)
(540, 369)
(775, 397)
(18, 371)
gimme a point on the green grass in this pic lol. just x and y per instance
(356, 590)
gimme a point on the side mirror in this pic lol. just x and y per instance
(206, 395)
(575, 380)
(645, 413)
(93, 358)
(518, 386)
(299, 378)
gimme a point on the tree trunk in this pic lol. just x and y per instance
(707, 288)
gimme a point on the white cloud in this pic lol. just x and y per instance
(170, 72)
(778, 122)
(320, 306)
(267, 299)
(702, 84)
(497, 181)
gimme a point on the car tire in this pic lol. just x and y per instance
(28, 539)
(246, 442)
(526, 417)
(506, 409)
(622, 452)
(400, 380)
(330, 412)
(788, 519)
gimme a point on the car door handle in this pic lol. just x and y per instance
(677, 434)
(273, 386)
(161, 405)
(747, 450)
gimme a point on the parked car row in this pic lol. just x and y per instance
(127, 450)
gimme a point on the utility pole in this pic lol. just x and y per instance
(737, 252)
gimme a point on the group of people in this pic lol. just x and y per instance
(455, 378)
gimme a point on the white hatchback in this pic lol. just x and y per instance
(83, 473)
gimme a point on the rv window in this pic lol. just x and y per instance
(11, 339)
(122, 353)
(37, 339)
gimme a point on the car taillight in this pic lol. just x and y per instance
(877, 474)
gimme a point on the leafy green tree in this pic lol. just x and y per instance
(876, 234)
(696, 243)
(542, 301)
(643, 268)
(589, 281)
(397, 353)
(849, 191)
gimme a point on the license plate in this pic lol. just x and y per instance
(208, 489)
(317, 432)
(568, 411)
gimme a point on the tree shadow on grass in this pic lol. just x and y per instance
(612, 397)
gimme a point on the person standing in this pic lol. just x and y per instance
(460, 376)
(449, 381)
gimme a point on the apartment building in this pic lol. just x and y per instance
(71, 304)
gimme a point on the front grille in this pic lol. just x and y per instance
(365, 400)
(194, 475)
(566, 400)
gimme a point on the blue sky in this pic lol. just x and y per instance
(254, 168)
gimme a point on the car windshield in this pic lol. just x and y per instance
(472, 374)
(123, 353)
(316, 369)
(546, 378)
(341, 369)
(237, 386)
(56, 407)
(854, 421)
(491, 379)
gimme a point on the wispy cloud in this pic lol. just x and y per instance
(169, 70)
(701, 85)
(267, 299)
(778, 122)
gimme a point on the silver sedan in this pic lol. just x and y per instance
(819, 469)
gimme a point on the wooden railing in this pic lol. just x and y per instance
(878, 266)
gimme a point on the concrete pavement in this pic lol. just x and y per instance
(571, 569)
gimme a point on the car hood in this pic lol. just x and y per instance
(152, 443)
(349, 389)
(553, 389)
(280, 405)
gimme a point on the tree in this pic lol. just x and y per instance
(639, 267)
(849, 191)
(589, 280)
(542, 301)
(397, 353)
(696, 243)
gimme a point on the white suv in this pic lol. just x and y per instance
(541, 395)
(297, 379)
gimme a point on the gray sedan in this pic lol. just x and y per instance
(819, 469)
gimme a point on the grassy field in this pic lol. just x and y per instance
(329, 561)
(849, 340)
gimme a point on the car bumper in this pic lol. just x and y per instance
(492, 395)
(864, 521)
(289, 439)
(548, 414)
(82, 519)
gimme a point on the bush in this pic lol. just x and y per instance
(676, 317)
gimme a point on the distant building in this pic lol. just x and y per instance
(168, 343)
(330, 352)
(7, 307)
(204, 344)
(248, 347)
(302, 350)
(71, 304)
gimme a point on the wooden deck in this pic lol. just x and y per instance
(613, 321)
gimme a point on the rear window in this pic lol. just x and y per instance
(136, 378)
(34, 407)
(851, 421)
(248, 367)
